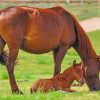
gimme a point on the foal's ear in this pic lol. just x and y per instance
(74, 62)
(81, 64)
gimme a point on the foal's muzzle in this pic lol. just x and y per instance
(81, 82)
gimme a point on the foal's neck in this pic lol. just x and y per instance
(68, 76)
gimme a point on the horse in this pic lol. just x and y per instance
(38, 31)
(61, 81)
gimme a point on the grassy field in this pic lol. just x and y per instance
(82, 12)
(32, 67)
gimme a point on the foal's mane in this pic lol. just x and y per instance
(67, 71)
(82, 45)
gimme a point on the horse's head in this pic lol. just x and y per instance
(77, 72)
(92, 68)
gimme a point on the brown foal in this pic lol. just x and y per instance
(61, 81)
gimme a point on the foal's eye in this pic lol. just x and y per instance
(77, 71)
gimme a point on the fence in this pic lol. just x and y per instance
(48, 1)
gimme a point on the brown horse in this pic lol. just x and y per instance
(61, 81)
(38, 31)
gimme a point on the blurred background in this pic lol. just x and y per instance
(82, 9)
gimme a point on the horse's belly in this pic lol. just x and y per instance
(38, 45)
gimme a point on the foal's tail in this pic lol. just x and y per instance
(3, 54)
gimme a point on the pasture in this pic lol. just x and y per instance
(32, 67)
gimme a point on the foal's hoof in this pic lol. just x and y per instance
(72, 91)
(17, 92)
(32, 90)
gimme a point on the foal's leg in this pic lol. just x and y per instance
(58, 57)
(68, 90)
(13, 52)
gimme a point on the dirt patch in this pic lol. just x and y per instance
(91, 24)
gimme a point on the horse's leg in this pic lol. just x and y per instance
(59, 55)
(55, 54)
(13, 52)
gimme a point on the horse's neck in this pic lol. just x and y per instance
(68, 76)
(86, 56)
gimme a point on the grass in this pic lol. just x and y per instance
(32, 67)
(81, 11)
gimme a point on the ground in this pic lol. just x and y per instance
(91, 24)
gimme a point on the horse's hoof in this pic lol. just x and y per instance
(17, 92)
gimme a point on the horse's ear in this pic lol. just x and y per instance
(98, 58)
(74, 62)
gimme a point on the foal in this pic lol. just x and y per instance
(61, 81)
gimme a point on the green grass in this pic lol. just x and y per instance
(82, 12)
(33, 67)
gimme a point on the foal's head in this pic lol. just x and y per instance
(77, 72)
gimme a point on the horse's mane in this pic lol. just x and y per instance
(82, 45)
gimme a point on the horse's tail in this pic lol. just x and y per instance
(3, 54)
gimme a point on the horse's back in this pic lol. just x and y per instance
(35, 30)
